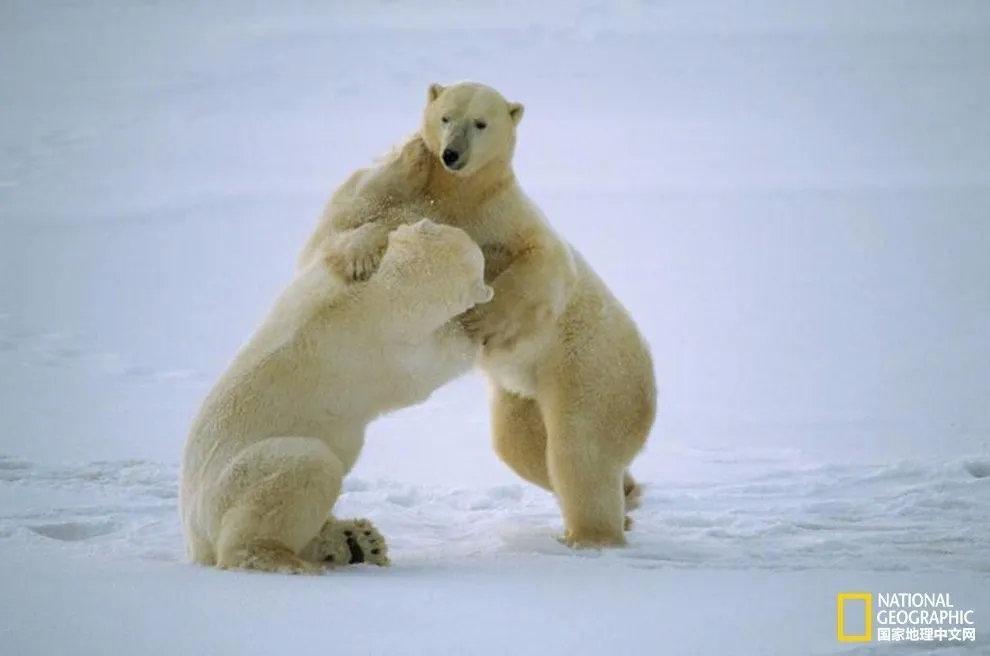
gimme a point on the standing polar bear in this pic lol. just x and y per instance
(573, 396)
(265, 458)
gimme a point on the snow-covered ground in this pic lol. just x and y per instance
(739, 562)
(793, 199)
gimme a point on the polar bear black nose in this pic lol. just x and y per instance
(450, 156)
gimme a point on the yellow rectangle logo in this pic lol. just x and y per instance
(840, 616)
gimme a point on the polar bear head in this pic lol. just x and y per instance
(468, 126)
(436, 272)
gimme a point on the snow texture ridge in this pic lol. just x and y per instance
(909, 516)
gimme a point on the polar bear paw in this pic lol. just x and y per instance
(500, 325)
(414, 165)
(349, 542)
(268, 556)
(357, 254)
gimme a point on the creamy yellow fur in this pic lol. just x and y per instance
(573, 395)
(264, 461)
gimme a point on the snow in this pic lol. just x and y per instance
(793, 200)
(93, 551)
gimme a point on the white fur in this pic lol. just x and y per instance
(573, 390)
(265, 458)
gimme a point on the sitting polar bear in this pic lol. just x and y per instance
(264, 461)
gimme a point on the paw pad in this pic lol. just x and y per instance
(349, 542)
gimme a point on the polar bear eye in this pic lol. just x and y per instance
(481, 125)
(445, 119)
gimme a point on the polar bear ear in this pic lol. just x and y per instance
(426, 227)
(482, 293)
(516, 112)
(434, 92)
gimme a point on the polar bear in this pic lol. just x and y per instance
(573, 396)
(264, 460)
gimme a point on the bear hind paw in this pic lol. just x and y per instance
(269, 556)
(349, 542)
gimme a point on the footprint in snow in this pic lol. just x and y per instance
(978, 468)
(75, 531)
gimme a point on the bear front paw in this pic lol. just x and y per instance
(489, 329)
(356, 255)
(414, 164)
(497, 328)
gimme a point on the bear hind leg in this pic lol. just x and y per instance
(281, 491)
(590, 496)
(519, 436)
(589, 479)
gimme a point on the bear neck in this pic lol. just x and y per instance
(469, 191)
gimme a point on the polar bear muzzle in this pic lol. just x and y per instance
(455, 151)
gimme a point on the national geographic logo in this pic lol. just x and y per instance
(842, 624)
(902, 617)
